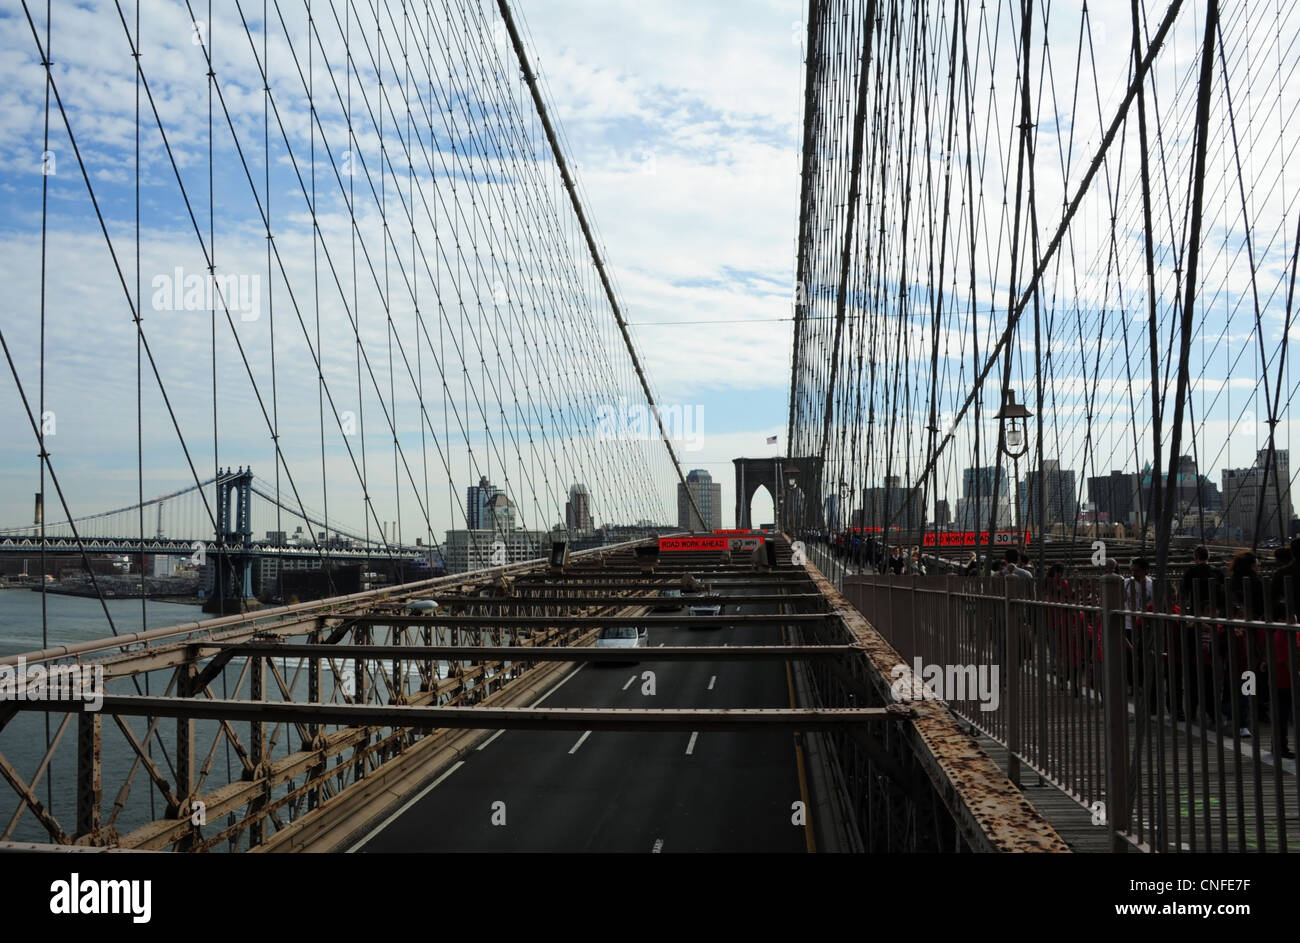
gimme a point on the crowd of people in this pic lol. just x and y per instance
(1206, 662)
(1209, 664)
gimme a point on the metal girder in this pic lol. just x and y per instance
(421, 653)
(589, 622)
(602, 581)
(493, 718)
(515, 602)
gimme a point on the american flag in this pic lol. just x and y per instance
(771, 440)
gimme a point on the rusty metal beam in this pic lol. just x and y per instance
(421, 653)
(515, 602)
(495, 718)
(590, 622)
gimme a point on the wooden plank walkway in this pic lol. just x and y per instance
(1221, 793)
(1067, 815)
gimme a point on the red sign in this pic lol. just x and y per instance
(709, 543)
(970, 538)
(736, 533)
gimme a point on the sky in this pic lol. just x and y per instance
(682, 123)
(685, 120)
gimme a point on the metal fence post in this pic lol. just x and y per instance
(1116, 707)
(1011, 657)
(950, 632)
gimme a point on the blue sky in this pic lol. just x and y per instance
(682, 121)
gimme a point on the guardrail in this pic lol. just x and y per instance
(1176, 730)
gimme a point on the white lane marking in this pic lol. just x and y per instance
(711, 680)
(574, 749)
(630, 682)
(538, 702)
(534, 704)
(658, 846)
(690, 747)
(423, 792)
(457, 765)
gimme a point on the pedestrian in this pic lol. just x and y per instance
(1246, 599)
(1198, 579)
(897, 562)
(1139, 596)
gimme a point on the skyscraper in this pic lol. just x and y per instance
(975, 506)
(708, 498)
(577, 511)
(1060, 499)
(1246, 497)
(476, 504)
(1115, 495)
(983, 477)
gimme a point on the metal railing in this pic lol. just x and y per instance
(1176, 730)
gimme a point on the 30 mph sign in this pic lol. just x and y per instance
(709, 543)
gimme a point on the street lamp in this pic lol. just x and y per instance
(787, 480)
(1015, 443)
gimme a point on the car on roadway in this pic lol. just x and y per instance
(672, 600)
(706, 609)
(623, 636)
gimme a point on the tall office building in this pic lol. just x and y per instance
(1244, 491)
(892, 506)
(831, 511)
(1115, 496)
(1059, 497)
(466, 550)
(975, 515)
(577, 511)
(708, 498)
(983, 477)
(975, 506)
(500, 515)
(476, 504)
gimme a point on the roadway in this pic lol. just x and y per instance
(675, 791)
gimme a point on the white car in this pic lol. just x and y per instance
(707, 609)
(623, 636)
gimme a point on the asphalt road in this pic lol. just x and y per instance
(722, 791)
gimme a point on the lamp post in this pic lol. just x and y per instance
(776, 498)
(787, 480)
(1014, 445)
(791, 483)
